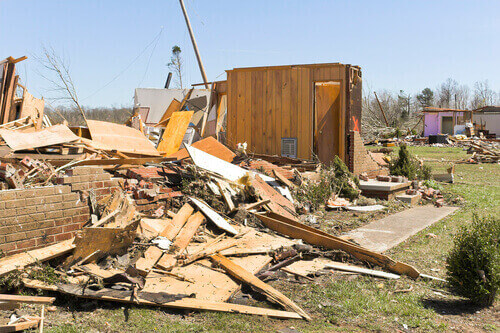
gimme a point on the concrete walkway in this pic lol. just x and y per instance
(388, 232)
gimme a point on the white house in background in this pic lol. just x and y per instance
(153, 102)
(489, 117)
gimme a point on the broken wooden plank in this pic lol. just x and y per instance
(314, 236)
(26, 299)
(278, 203)
(210, 249)
(31, 322)
(171, 139)
(168, 260)
(178, 222)
(257, 204)
(243, 275)
(185, 303)
(214, 216)
(361, 270)
(107, 240)
(279, 176)
(151, 256)
(226, 195)
(21, 260)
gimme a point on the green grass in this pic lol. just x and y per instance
(344, 302)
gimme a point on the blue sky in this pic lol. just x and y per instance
(405, 45)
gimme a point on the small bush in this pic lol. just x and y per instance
(408, 166)
(335, 178)
(474, 262)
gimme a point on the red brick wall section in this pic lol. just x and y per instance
(359, 159)
(37, 217)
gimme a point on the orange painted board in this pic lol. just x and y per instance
(175, 105)
(174, 133)
(209, 145)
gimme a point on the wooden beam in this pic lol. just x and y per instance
(26, 299)
(185, 303)
(245, 276)
(314, 236)
(21, 260)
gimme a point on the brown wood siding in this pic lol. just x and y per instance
(268, 103)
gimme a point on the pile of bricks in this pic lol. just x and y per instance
(85, 178)
(267, 168)
(359, 159)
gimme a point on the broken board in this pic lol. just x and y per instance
(174, 132)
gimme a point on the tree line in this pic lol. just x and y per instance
(402, 109)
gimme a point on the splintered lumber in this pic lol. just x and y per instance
(283, 179)
(361, 270)
(167, 261)
(108, 241)
(178, 222)
(26, 299)
(225, 194)
(151, 256)
(245, 276)
(30, 322)
(214, 216)
(171, 139)
(113, 161)
(278, 203)
(314, 236)
(21, 260)
(187, 232)
(185, 303)
(257, 204)
(211, 249)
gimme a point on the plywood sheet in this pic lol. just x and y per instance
(111, 136)
(175, 105)
(174, 132)
(48, 136)
(210, 285)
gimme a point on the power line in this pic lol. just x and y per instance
(126, 68)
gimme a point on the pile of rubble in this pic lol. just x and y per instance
(127, 216)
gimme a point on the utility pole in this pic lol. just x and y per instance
(381, 109)
(200, 64)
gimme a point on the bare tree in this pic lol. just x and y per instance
(461, 97)
(483, 95)
(446, 92)
(57, 73)
(176, 64)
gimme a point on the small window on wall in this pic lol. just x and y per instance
(289, 147)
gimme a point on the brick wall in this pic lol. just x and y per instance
(36, 217)
(359, 159)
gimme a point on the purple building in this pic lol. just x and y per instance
(445, 121)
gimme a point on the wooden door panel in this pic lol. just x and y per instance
(327, 112)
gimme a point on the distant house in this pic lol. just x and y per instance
(151, 103)
(487, 119)
(445, 121)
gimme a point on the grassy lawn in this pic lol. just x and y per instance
(338, 302)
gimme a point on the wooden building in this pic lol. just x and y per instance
(297, 111)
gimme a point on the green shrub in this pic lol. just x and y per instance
(474, 262)
(335, 178)
(408, 166)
